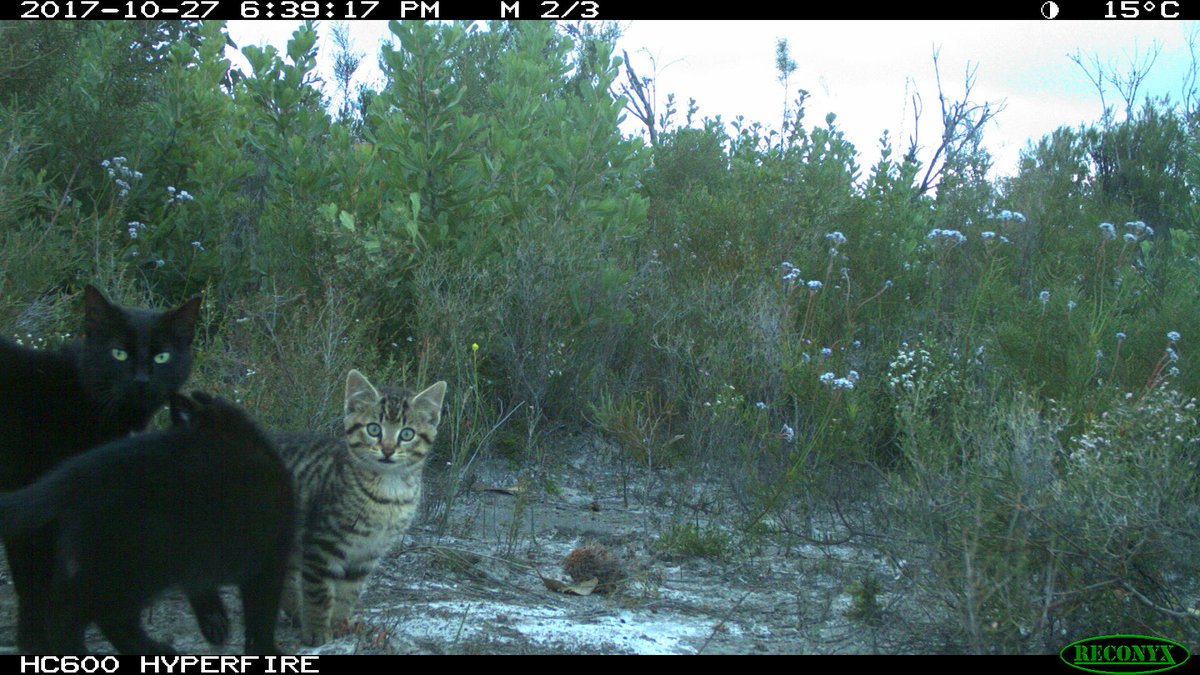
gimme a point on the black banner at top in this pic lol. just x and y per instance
(1038, 10)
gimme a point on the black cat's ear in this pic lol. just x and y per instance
(98, 313)
(183, 410)
(182, 321)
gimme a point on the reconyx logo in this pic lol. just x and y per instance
(1124, 654)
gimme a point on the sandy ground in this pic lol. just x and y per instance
(478, 587)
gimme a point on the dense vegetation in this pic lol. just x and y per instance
(1003, 367)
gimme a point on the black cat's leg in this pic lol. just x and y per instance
(125, 632)
(211, 615)
(31, 561)
(65, 619)
(260, 605)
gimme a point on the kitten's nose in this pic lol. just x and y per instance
(388, 450)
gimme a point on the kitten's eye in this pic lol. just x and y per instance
(120, 354)
(407, 434)
(162, 357)
(374, 430)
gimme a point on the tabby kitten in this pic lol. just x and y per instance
(358, 494)
(56, 404)
(204, 503)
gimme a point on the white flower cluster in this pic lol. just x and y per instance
(122, 176)
(1140, 230)
(1162, 418)
(174, 195)
(953, 236)
(40, 342)
(1010, 215)
(848, 382)
(732, 398)
(911, 366)
(791, 274)
(838, 239)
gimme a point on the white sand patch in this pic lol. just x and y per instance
(619, 631)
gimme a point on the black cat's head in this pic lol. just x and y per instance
(132, 360)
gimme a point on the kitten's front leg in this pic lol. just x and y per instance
(346, 593)
(291, 599)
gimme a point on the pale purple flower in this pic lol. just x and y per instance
(836, 237)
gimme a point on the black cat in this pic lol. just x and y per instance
(206, 502)
(56, 404)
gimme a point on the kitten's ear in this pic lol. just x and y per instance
(432, 397)
(182, 321)
(98, 312)
(357, 386)
(183, 410)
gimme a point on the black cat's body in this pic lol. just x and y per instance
(205, 503)
(57, 404)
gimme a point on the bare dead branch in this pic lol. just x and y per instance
(639, 101)
(962, 125)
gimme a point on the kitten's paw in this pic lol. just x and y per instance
(316, 637)
(345, 627)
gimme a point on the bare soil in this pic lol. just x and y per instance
(478, 587)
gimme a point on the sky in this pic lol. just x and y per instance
(866, 72)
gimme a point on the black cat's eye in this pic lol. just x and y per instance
(120, 354)
(407, 434)
(374, 430)
(162, 357)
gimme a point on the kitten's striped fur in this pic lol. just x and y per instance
(358, 494)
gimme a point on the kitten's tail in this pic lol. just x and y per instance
(28, 509)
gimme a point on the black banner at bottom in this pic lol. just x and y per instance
(163, 665)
